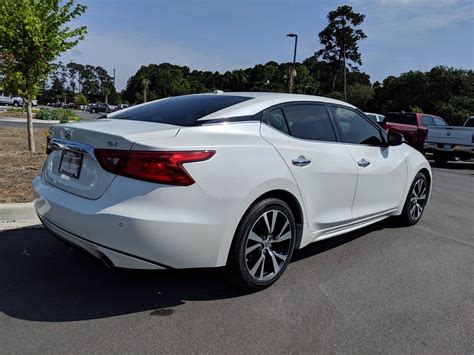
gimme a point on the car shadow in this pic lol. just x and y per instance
(44, 280)
(454, 165)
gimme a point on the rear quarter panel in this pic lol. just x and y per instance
(243, 168)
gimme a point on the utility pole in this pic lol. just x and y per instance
(293, 69)
(344, 56)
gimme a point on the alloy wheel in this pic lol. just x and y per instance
(268, 245)
(418, 198)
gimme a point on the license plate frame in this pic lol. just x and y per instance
(447, 146)
(73, 161)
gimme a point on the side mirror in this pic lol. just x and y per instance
(394, 138)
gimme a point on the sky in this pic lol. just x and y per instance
(221, 35)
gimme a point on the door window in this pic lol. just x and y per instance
(355, 128)
(310, 122)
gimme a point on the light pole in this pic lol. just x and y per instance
(293, 70)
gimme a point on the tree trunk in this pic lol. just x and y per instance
(344, 68)
(106, 99)
(29, 120)
(334, 82)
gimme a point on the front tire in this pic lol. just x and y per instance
(16, 104)
(416, 201)
(263, 244)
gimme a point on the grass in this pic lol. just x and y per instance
(18, 166)
(19, 109)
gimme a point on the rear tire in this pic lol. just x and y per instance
(416, 201)
(263, 244)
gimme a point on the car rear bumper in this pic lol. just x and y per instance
(141, 225)
(112, 258)
(456, 148)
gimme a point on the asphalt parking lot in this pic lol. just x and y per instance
(383, 289)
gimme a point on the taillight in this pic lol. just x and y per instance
(161, 167)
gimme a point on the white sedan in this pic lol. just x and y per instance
(235, 179)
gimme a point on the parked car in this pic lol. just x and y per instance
(15, 101)
(450, 142)
(10, 100)
(413, 126)
(100, 107)
(375, 117)
(235, 179)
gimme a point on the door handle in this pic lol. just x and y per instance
(301, 161)
(363, 163)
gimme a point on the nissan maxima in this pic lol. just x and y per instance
(225, 179)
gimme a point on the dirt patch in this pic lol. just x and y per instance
(18, 167)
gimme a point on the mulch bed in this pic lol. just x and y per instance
(18, 167)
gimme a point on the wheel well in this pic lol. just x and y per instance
(294, 205)
(425, 172)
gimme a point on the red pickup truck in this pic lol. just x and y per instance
(413, 126)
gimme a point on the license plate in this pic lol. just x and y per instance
(448, 146)
(70, 164)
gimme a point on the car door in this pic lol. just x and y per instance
(382, 170)
(323, 168)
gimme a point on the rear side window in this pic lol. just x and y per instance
(404, 118)
(309, 122)
(355, 128)
(276, 119)
(180, 110)
(427, 121)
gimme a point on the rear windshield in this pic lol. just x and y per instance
(404, 118)
(180, 110)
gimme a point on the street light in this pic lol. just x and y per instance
(293, 72)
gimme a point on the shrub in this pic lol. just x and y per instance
(61, 114)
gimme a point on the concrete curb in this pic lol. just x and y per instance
(18, 215)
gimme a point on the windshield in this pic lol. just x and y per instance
(180, 110)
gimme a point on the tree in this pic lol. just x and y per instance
(360, 94)
(80, 99)
(340, 41)
(33, 33)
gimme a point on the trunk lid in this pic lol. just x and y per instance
(72, 165)
(450, 135)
